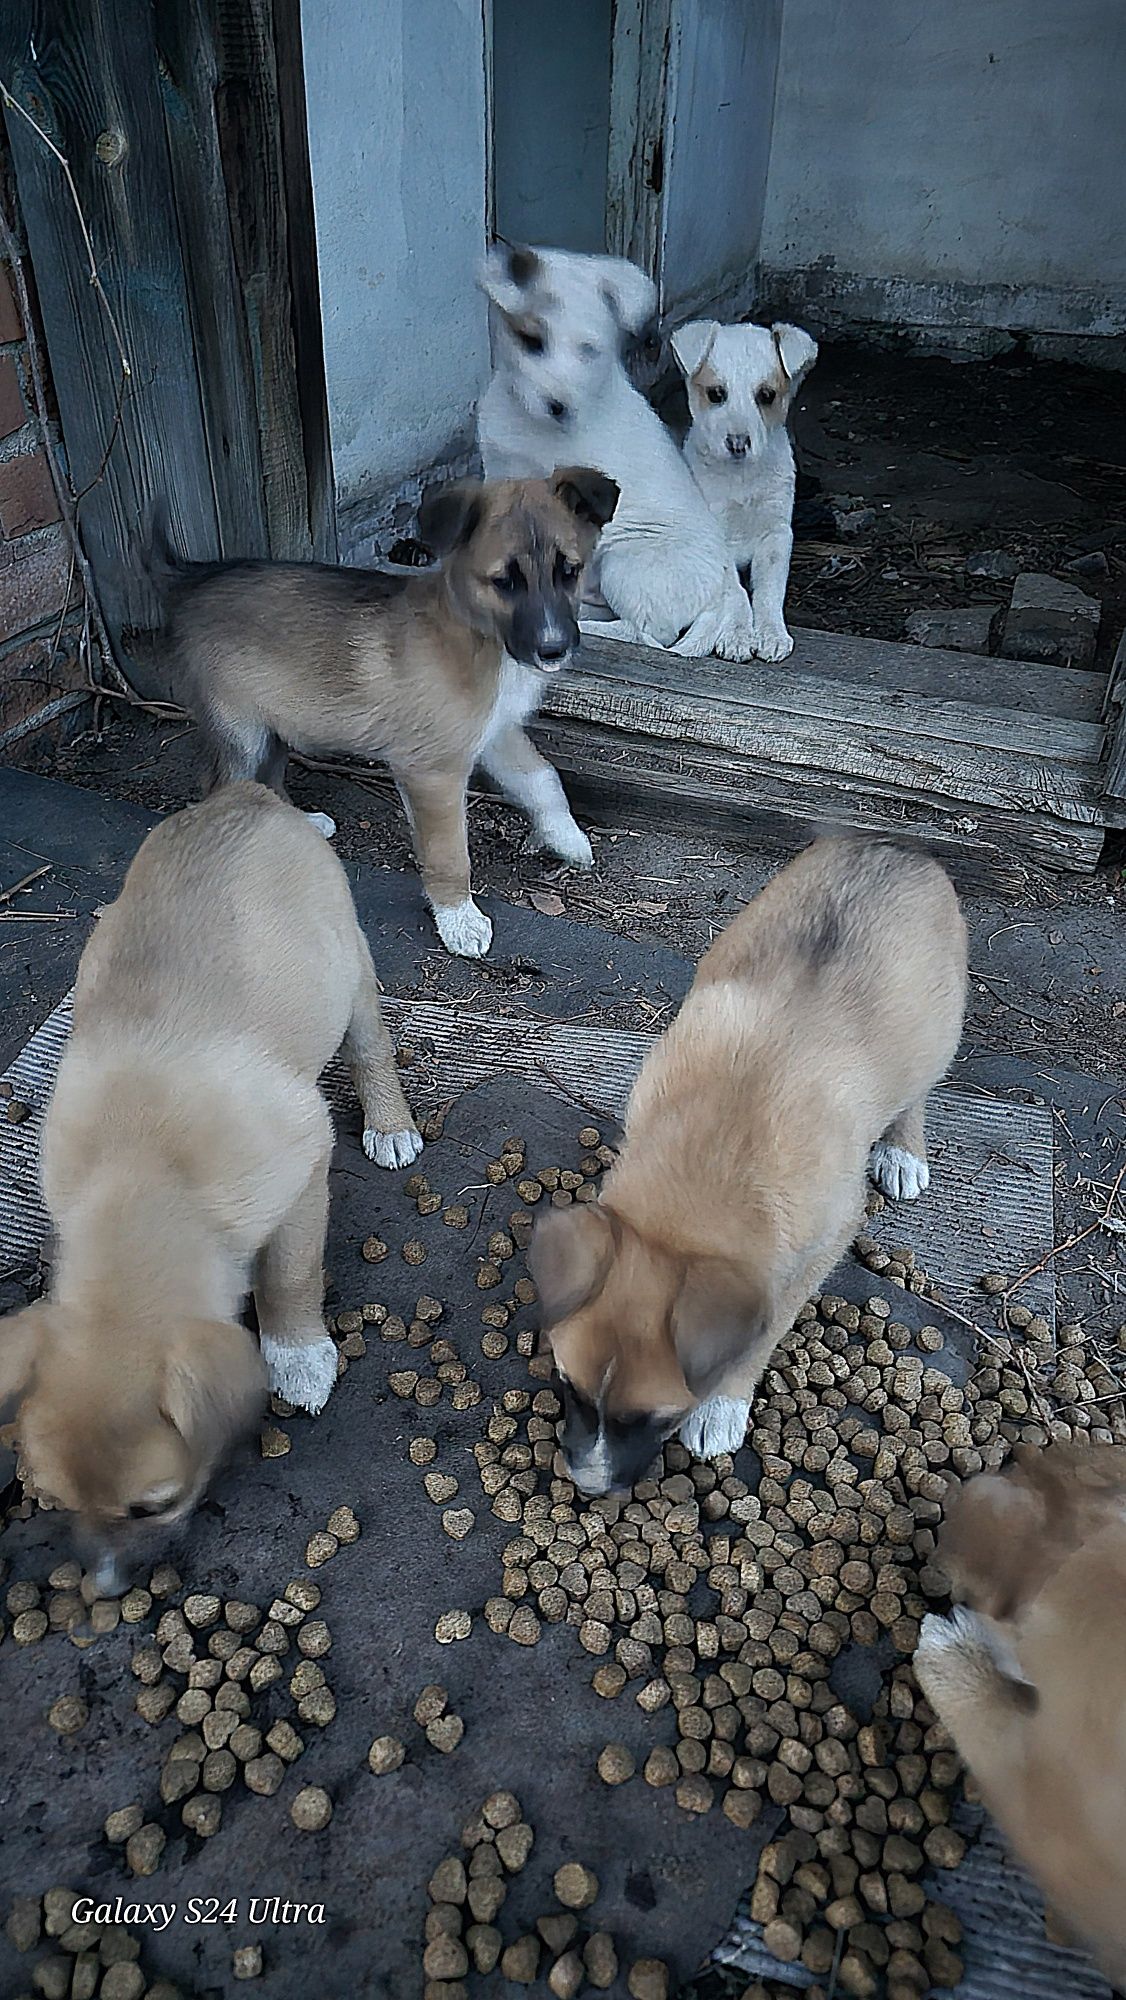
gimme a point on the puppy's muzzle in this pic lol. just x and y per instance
(738, 444)
(559, 412)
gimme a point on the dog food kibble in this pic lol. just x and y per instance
(264, 1774)
(373, 1250)
(453, 1625)
(144, 1848)
(311, 1809)
(414, 1252)
(202, 1814)
(567, 1976)
(120, 1825)
(29, 1627)
(575, 1886)
(320, 1548)
(386, 1754)
(445, 1733)
(457, 1522)
(440, 1486)
(456, 1217)
(273, 1443)
(648, 1979)
(201, 1611)
(314, 1639)
(246, 1961)
(616, 1764)
(68, 1715)
(343, 1524)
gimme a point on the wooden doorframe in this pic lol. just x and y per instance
(640, 66)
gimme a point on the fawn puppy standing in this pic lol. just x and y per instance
(815, 1027)
(1029, 1675)
(434, 673)
(185, 1162)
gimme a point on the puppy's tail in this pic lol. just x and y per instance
(156, 555)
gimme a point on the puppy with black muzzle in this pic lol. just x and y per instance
(434, 673)
(741, 384)
(185, 1164)
(816, 1025)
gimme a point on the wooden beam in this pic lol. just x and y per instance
(1113, 774)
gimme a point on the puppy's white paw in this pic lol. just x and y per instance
(392, 1149)
(303, 1371)
(771, 642)
(939, 1636)
(735, 643)
(561, 835)
(323, 822)
(719, 1424)
(898, 1173)
(463, 928)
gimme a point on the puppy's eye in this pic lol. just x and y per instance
(716, 393)
(588, 350)
(146, 1510)
(565, 570)
(764, 397)
(531, 341)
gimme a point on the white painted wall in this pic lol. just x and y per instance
(950, 157)
(396, 114)
(551, 121)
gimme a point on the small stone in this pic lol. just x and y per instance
(311, 1809)
(246, 1961)
(144, 1848)
(576, 1887)
(501, 1809)
(1051, 620)
(782, 1939)
(966, 628)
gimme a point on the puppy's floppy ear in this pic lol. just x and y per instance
(449, 515)
(693, 343)
(20, 1336)
(570, 1254)
(506, 273)
(629, 292)
(717, 1319)
(590, 495)
(214, 1384)
(797, 350)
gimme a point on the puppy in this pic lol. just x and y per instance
(185, 1160)
(434, 673)
(1029, 1680)
(741, 381)
(816, 1025)
(559, 392)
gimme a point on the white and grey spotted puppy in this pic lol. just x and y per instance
(741, 382)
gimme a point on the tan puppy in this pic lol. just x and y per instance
(434, 673)
(816, 1025)
(185, 1159)
(1031, 1680)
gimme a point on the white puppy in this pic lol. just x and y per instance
(560, 394)
(741, 380)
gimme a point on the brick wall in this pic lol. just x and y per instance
(39, 627)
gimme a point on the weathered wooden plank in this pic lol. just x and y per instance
(762, 689)
(189, 79)
(86, 71)
(609, 766)
(1113, 774)
(304, 279)
(930, 671)
(861, 749)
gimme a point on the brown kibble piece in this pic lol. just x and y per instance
(273, 1443)
(343, 1524)
(600, 1960)
(246, 1962)
(616, 1764)
(445, 1732)
(373, 1250)
(264, 1774)
(648, 1979)
(311, 1809)
(448, 1884)
(144, 1848)
(575, 1886)
(453, 1625)
(414, 1252)
(431, 1703)
(69, 1714)
(566, 1976)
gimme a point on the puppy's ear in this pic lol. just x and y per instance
(21, 1334)
(797, 350)
(630, 294)
(214, 1385)
(570, 1254)
(717, 1319)
(449, 515)
(506, 273)
(693, 343)
(589, 494)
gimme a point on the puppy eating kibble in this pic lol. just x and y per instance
(741, 382)
(1028, 1676)
(434, 673)
(185, 1162)
(816, 1025)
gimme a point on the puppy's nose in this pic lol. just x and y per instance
(738, 443)
(550, 651)
(557, 409)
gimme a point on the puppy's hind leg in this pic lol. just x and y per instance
(898, 1160)
(391, 1137)
(289, 1292)
(511, 758)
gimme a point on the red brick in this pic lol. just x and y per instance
(33, 581)
(27, 497)
(11, 325)
(13, 415)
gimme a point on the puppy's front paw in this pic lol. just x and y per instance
(323, 822)
(898, 1173)
(771, 642)
(561, 835)
(463, 928)
(303, 1371)
(719, 1424)
(392, 1149)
